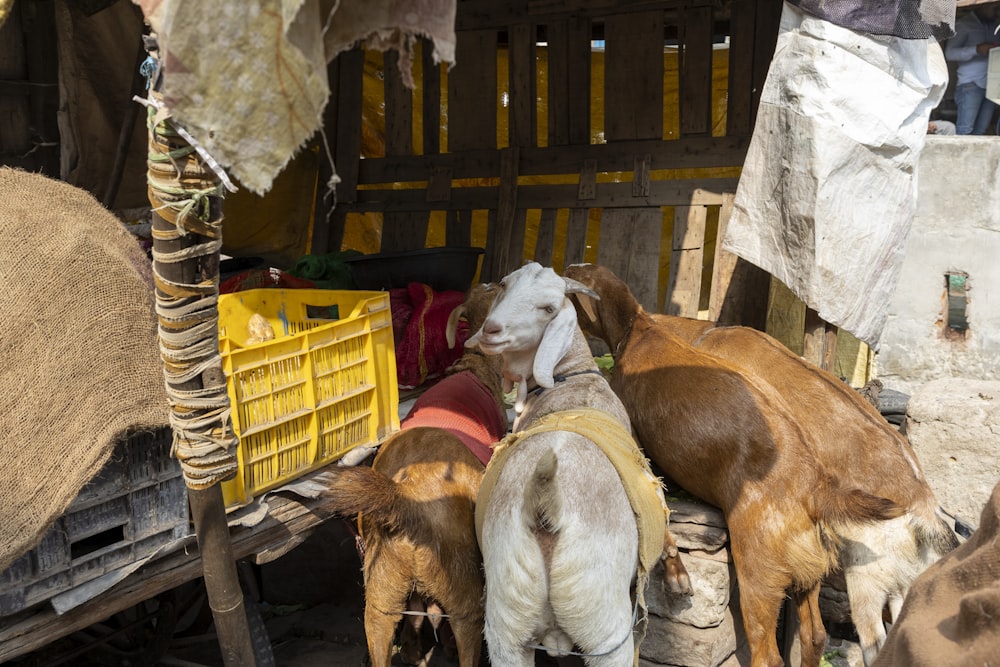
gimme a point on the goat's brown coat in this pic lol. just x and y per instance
(416, 517)
(730, 440)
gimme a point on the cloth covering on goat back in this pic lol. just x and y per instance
(643, 488)
(462, 405)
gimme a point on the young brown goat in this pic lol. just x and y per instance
(416, 501)
(731, 440)
(880, 560)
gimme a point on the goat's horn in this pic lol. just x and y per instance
(576, 287)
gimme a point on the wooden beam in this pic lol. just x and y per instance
(703, 191)
(685, 153)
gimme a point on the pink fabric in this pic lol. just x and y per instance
(464, 406)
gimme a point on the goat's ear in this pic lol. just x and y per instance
(587, 305)
(451, 329)
(555, 343)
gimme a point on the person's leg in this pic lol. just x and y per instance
(968, 98)
(984, 118)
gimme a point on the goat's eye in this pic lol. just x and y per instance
(503, 284)
(549, 309)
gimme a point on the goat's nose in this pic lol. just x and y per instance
(492, 327)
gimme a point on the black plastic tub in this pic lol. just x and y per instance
(447, 268)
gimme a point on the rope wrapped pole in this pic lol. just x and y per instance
(186, 196)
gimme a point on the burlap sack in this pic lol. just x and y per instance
(79, 358)
(951, 615)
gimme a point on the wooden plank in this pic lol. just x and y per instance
(472, 80)
(819, 343)
(576, 235)
(348, 141)
(696, 192)
(405, 230)
(633, 76)
(696, 71)
(557, 35)
(488, 271)
(398, 108)
(579, 54)
(439, 185)
(723, 263)
(430, 102)
(640, 176)
(768, 20)
(545, 240)
(687, 257)
(508, 215)
(637, 264)
(458, 229)
(569, 56)
(522, 128)
(739, 104)
(684, 153)
(587, 187)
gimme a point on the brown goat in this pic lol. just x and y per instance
(880, 561)
(416, 502)
(731, 440)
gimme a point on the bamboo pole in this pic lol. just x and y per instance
(186, 196)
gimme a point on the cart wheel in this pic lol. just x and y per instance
(139, 635)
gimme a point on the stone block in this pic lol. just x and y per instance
(706, 608)
(680, 645)
(954, 427)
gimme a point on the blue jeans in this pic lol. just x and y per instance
(974, 111)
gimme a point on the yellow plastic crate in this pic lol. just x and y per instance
(325, 385)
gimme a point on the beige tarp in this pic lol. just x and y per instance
(249, 80)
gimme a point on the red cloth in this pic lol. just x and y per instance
(422, 351)
(464, 406)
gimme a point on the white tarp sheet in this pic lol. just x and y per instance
(828, 190)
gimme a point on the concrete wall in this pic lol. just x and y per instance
(953, 415)
(956, 228)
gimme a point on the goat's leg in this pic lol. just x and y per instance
(812, 633)
(762, 592)
(675, 575)
(386, 596)
(468, 633)
(867, 602)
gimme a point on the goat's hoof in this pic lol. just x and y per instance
(675, 577)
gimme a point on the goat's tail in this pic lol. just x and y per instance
(542, 499)
(935, 533)
(353, 490)
(837, 505)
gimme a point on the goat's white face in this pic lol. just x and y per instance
(529, 299)
(532, 324)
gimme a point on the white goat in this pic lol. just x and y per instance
(559, 536)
